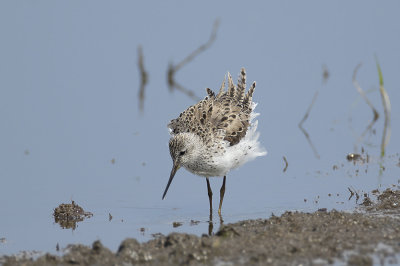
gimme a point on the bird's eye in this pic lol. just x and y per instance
(182, 153)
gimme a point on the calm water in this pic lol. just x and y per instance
(72, 130)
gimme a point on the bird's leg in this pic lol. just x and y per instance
(209, 194)
(221, 195)
(210, 225)
(210, 222)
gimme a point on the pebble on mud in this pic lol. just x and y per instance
(355, 158)
(67, 215)
(193, 222)
(366, 201)
(176, 224)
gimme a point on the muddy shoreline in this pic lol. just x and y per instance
(369, 235)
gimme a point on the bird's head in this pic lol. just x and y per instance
(184, 148)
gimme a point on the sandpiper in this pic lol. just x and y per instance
(216, 135)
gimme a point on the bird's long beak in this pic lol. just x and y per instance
(175, 168)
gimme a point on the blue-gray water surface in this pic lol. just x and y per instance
(71, 128)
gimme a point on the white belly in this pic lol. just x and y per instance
(234, 156)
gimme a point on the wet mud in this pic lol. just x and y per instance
(369, 235)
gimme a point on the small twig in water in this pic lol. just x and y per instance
(351, 193)
(189, 93)
(304, 119)
(172, 69)
(362, 93)
(386, 109)
(286, 164)
(364, 96)
(325, 74)
(143, 78)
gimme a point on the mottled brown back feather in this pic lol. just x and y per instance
(241, 86)
(228, 112)
(222, 88)
(210, 93)
(231, 86)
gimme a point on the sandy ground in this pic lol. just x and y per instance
(370, 235)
